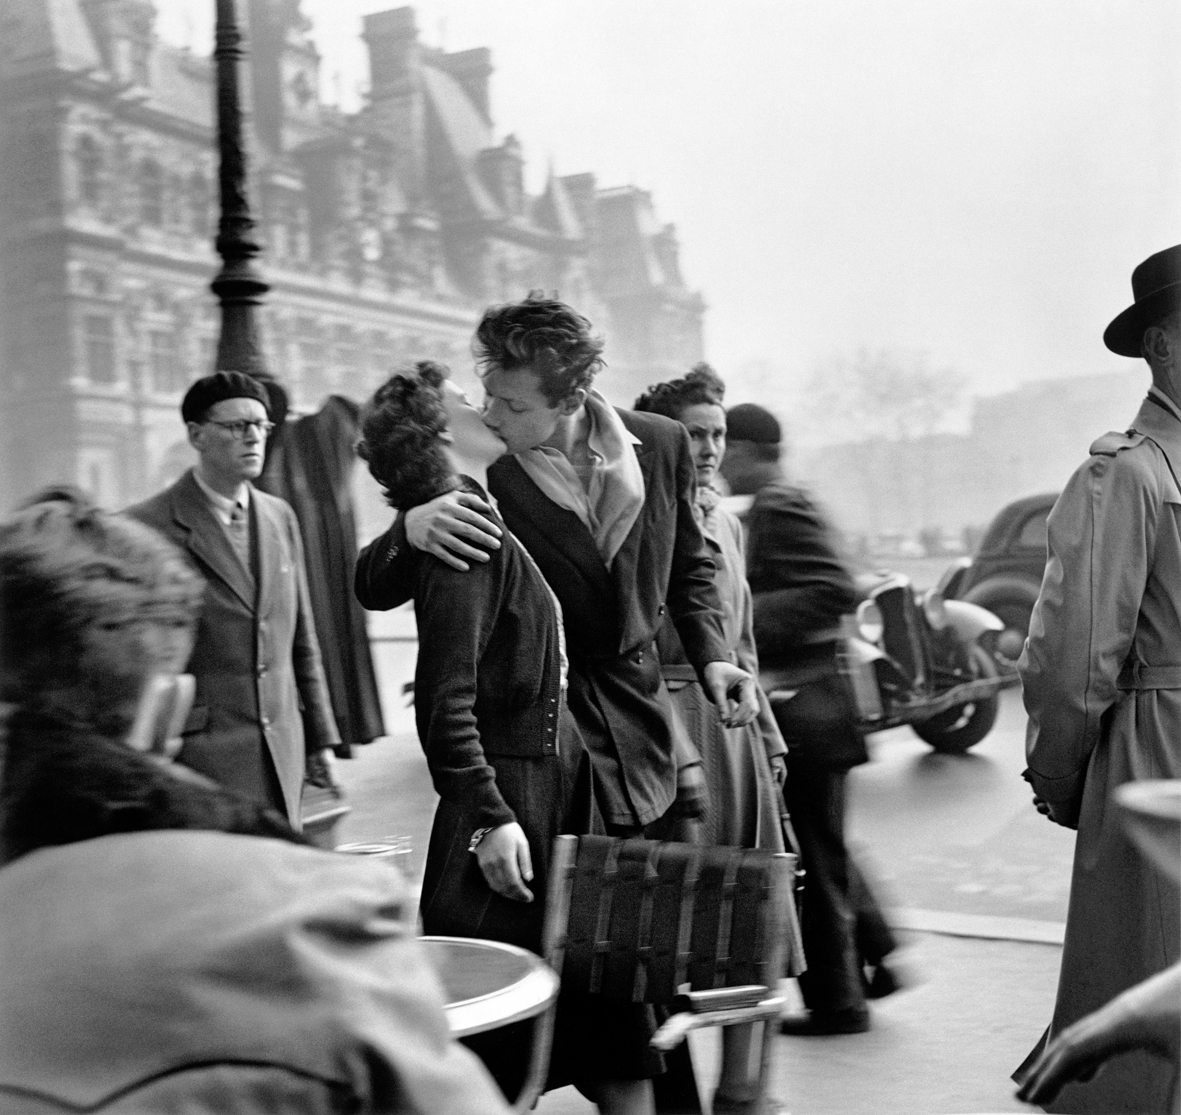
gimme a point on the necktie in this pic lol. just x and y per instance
(240, 534)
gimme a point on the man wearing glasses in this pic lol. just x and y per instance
(261, 716)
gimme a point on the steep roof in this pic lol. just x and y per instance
(465, 132)
(38, 36)
(555, 211)
(181, 85)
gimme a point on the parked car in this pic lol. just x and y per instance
(912, 657)
(1004, 575)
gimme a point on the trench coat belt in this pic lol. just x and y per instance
(1136, 675)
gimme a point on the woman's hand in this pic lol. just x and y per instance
(503, 856)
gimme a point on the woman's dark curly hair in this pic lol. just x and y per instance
(701, 385)
(400, 436)
(544, 335)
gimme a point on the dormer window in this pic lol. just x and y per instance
(151, 193)
(89, 171)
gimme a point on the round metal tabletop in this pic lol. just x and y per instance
(488, 984)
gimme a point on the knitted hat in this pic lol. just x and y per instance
(751, 422)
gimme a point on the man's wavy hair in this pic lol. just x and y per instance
(401, 428)
(79, 589)
(672, 398)
(544, 335)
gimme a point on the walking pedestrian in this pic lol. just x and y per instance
(744, 767)
(801, 589)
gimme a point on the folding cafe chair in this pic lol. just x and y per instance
(709, 932)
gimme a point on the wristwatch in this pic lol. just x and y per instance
(477, 836)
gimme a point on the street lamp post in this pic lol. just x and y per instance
(239, 286)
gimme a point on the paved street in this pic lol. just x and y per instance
(959, 855)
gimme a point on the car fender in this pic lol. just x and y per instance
(1006, 589)
(970, 621)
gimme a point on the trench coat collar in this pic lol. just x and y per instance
(206, 538)
(1157, 421)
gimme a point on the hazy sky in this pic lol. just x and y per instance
(973, 179)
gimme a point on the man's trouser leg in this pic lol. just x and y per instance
(815, 798)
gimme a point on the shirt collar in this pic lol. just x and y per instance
(225, 504)
(1165, 401)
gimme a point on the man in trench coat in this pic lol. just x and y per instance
(1102, 681)
(261, 715)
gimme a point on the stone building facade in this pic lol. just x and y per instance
(384, 233)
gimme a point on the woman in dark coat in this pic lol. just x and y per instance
(505, 755)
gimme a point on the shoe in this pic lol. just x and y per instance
(884, 981)
(817, 1023)
(724, 1105)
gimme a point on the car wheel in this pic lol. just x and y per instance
(1010, 642)
(953, 732)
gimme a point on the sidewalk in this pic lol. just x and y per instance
(944, 1046)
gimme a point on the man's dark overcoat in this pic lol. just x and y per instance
(617, 694)
(256, 659)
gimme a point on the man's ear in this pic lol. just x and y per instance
(194, 432)
(573, 401)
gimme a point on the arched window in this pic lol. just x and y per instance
(90, 163)
(151, 193)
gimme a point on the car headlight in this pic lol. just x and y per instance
(935, 610)
(869, 621)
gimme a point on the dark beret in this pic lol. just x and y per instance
(751, 422)
(210, 390)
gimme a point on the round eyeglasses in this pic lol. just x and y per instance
(239, 429)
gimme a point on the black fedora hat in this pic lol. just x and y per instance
(1156, 288)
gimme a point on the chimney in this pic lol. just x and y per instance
(392, 39)
(123, 33)
(472, 69)
(397, 106)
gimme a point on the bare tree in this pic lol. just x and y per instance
(889, 394)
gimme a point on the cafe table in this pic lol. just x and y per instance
(488, 984)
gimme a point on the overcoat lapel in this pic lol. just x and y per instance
(566, 530)
(623, 569)
(207, 541)
(271, 553)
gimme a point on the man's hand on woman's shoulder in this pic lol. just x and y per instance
(452, 527)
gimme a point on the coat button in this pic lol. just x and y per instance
(262, 670)
(639, 658)
(266, 721)
(661, 610)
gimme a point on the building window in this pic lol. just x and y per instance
(89, 171)
(167, 371)
(151, 193)
(99, 335)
